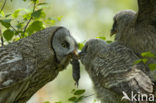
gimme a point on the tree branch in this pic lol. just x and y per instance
(2, 41)
(3, 5)
(29, 19)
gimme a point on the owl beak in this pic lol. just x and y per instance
(113, 31)
(81, 54)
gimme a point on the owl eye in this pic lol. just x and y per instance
(65, 44)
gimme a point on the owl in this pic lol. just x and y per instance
(113, 71)
(137, 30)
(30, 63)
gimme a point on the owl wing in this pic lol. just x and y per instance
(12, 68)
(115, 71)
(146, 12)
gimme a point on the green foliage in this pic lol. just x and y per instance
(24, 22)
(16, 13)
(152, 66)
(58, 102)
(2, 14)
(42, 3)
(144, 59)
(109, 41)
(80, 46)
(37, 13)
(5, 22)
(77, 95)
(79, 92)
(104, 38)
(148, 54)
(35, 26)
(46, 102)
(8, 34)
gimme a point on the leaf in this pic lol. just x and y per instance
(58, 102)
(79, 99)
(80, 45)
(8, 34)
(59, 18)
(7, 15)
(50, 21)
(26, 16)
(147, 54)
(20, 25)
(109, 41)
(102, 37)
(94, 100)
(35, 26)
(79, 92)
(42, 3)
(6, 22)
(72, 99)
(73, 90)
(46, 102)
(2, 14)
(144, 60)
(34, 1)
(16, 13)
(152, 66)
(18, 32)
(138, 61)
(37, 13)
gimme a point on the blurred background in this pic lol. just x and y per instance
(85, 19)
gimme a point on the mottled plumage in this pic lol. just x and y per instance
(30, 63)
(137, 30)
(112, 70)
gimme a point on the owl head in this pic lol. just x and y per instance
(121, 21)
(63, 44)
(91, 49)
(55, 45)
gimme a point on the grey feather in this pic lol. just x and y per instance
(30, 63)
(137, 30)
(112, 70)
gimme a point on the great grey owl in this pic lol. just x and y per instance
(137, 30)
(30, 63)
(112, 70)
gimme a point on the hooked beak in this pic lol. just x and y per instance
(113, 31)
(81, 54)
